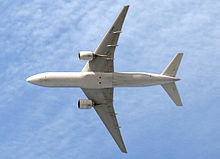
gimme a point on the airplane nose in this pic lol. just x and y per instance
(37, 79)
(30, 79)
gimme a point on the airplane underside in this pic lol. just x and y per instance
(96, 80)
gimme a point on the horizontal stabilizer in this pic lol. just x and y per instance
(172, 91)
(172, 68)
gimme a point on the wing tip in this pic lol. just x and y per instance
(126, 7)
(122, 147)
(124, 150)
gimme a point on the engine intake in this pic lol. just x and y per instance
(85, 104)
(86, 55)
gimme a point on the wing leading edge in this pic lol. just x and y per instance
(106, 48)
(103, 99)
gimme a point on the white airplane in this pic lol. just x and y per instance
(98, 79)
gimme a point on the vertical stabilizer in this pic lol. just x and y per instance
(172, 68)
(172, 91)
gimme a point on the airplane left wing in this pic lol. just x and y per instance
(103, 61)
(103, 99)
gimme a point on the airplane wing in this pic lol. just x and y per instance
(103, 99)
(103, 62)
(105, 51)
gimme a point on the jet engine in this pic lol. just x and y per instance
(86, 55)
(85, 104)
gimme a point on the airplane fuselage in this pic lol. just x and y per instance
(98, 80)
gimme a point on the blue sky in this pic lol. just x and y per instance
(39, 36)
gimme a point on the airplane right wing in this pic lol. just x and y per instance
(103, 62)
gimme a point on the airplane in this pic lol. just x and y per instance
(98, 79)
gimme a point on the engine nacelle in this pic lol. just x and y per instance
(86, 55)
(85, 104)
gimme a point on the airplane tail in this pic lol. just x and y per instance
(171, 70)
